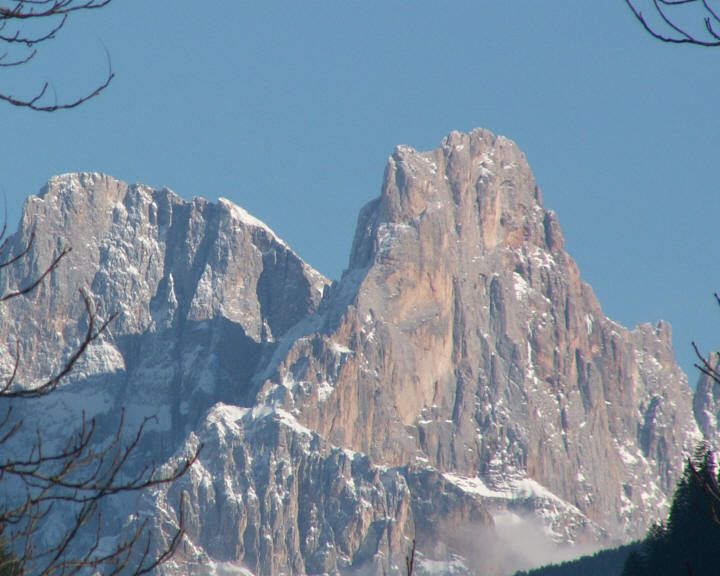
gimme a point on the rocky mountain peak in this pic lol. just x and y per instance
(477, 185)
(459, 376)
(185, 278)
(159, 255)
(464, 337)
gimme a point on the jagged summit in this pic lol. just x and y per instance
(460, 376)
(478, 183)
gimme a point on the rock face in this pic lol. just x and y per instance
(459, 377)
(279, 497)
(706, 403)
(463, 336)
(199, 290)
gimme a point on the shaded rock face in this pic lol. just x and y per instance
(200, 291)
(459, 375)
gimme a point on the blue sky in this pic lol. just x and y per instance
(290, 109)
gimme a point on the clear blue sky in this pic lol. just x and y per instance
(290, 109)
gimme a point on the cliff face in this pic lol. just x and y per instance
(459, 376)
(279, 498)
(706, 402)
(200, 289)
(462, 336)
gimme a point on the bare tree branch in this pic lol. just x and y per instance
(677, 33)
(704, 363)
(26, 25)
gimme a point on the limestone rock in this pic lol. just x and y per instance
(458, 380)
(463, 336)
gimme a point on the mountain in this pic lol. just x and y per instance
(458, 385)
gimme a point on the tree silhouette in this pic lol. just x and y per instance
(681, 21)
(26, 26)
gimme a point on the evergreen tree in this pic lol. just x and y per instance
(607, 562)
(689, 544)
(635, 565)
